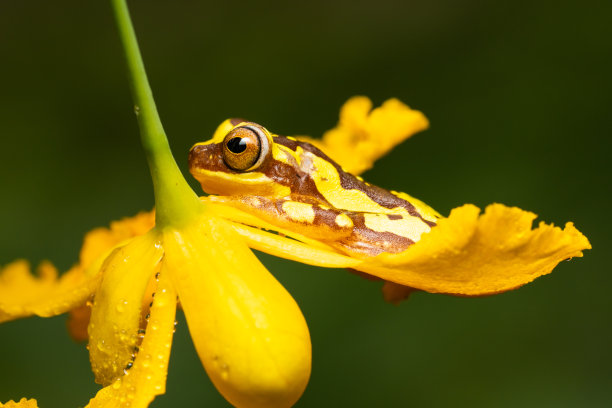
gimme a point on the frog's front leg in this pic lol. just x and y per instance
(302, 215)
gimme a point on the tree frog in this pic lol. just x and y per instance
(295, 186)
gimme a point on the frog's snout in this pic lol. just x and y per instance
(199, 155)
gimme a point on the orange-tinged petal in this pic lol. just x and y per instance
(115, 315)
(249, 333)
(147, 376)
(77, 322)
(23, 403)
(394, 293)
(23, 294)
(468, 254)
(364, 135)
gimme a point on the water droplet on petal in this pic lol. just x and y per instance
(121, 305)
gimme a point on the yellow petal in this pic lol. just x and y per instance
(23, 294)
(468, 254)
(23, 403)
(115, 315)
(288, 248)
(101, 240)
(147, 377)
(364, 135)
(216, 206)
(248, 331)
(97, 245)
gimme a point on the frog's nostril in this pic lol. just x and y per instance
(196, 149)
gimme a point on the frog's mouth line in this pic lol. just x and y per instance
(239, 184)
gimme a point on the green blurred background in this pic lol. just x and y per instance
(519, 96)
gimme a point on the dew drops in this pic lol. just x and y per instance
(157, 276)
(224, 371)
(121, 305)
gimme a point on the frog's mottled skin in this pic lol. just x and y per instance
(299, 188)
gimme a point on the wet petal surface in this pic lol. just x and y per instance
(147, 376)
(115, 315)
(248, 331)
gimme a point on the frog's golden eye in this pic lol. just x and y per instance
(245, 148)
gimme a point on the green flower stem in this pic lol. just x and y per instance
(175, 201)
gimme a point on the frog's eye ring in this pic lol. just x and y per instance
(245, 148)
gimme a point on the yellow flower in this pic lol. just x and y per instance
(249, 333)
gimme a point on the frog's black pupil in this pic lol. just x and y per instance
(237, 145)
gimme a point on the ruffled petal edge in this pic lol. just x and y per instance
(22, 403)
(363, 134)
(471, 254)
(44, 294)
